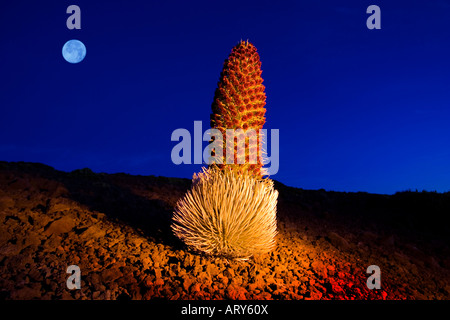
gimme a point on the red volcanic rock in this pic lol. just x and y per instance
(315, 294)
(331, 269)
(187, 282)
(320, 269)
(338, 241)
(335, 287)
(223, 279)
(110, 275)
(159, 282)
(6, 202)
(27, 292)
(236, 293)
(62, 225)
(196, 288)
(93, 232)
(212, 269)
(116, 229)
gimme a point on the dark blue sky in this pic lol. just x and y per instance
(357, 109)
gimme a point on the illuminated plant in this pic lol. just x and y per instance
(239, 104)
(228, 214)
(231, 209)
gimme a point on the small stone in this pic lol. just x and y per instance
(320, 269)
(331, 270)
(196, 287)
(6, 202)
(187, 283)
(229, 272)
(93, 232)
(60, 205)
(66, 296)
(212, 269)
(60, 226)
(338, 241)
(252, 287)
(111, 274)
(265, 296)
(35, 275)
(9, 249)
(146, 262)
(158, 273)
(223, 279)
(236, 293)
(336, 288)
(27, 293)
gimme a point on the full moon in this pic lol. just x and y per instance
(74, 51)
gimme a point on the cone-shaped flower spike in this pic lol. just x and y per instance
(239, 103)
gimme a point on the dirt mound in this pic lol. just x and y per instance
(116, 228)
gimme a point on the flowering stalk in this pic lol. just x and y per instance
(239, 103)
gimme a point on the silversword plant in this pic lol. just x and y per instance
(231, 208)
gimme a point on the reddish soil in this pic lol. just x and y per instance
(116, 228)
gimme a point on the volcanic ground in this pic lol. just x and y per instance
(116, 228)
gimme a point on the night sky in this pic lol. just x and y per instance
(357, 109)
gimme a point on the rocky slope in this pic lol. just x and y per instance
(116, 228)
